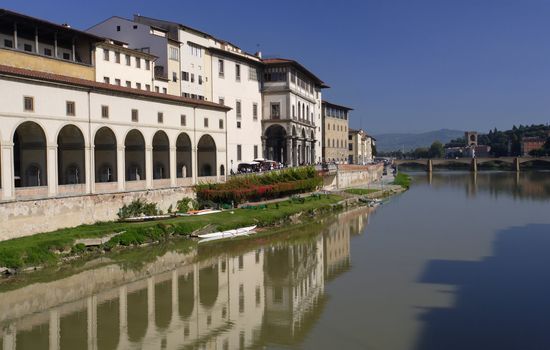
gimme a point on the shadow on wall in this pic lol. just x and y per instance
(502, 302)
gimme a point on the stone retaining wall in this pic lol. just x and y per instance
(353, 175)
(24, 218)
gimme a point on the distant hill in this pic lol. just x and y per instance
(398, 141)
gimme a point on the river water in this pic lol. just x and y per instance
(460, 261)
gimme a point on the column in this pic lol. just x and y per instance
(51, 159)
(90, 176)
(36, 49)
(15, 44)
(264, 148)
(194, 167)
(288, 155)
(175, 294)
(295, 152)
(6, 163)
(123, 310)
(173, 167)
(120, 167)
(54, 330)
(151, 301)
(55, 44)
(92, 322)
(10, 334)
(149, 167)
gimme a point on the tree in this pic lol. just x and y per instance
(436, 150)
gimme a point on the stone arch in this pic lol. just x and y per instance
(208, 285)
(161, 155)
(29, 155)
(70, 156)
(105, 155)
(206, 156)
(183, 156)
(275, 136)
(134, 156)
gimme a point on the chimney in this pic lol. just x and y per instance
(66, 25)
(258, 54)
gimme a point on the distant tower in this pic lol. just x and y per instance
(471, 138)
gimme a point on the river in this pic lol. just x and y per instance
(460, 261)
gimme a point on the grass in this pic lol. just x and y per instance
(45, 248)
(361, 191)
(402, 180)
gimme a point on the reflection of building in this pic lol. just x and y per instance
(272, 294)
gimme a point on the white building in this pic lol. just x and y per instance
(209, 69)
(292, 125)
(65, 134)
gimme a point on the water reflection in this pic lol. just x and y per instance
(272, 293)
(518, 185)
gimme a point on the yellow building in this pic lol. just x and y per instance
(335, 132)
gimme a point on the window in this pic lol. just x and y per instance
(160, 117)
(238, 124)
(174, 76)
(255, 151)
(252, 74)
(117, 82)
(147, 87)
(128, 84)
(27, 47)
(183, 120)
(105, 54)
(164, 90)
(275, 74)
(220, 68)
(147, 64)
(185, 76)
(138, 86)
(195, 50)
(118, 28)
(205, 122)
(221, 101)
(117, 57)
(275, 110)
(47, 52)
(128, 60)
(70, 108)
(237, 72)
(255, 111)
(134, 26)
(135, 115)
(157, 89)
(192, 77)
(138, 62)
(239, 152)
(185, 94)
(66, 56)
(200, 79)
(8, 43)
(174, 53)
(105, 112)
(238, 108)
(28, 103)
(106, 80)
(220, 123)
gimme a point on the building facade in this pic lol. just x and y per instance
(65, 134)
(292, 128)
(335, 125)
(360, 147)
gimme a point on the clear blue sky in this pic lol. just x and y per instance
(403, 65)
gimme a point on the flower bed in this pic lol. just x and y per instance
(261, 187)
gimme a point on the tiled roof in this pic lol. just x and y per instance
(56, 78)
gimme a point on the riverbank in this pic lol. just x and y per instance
(65, 245)
(51, 248)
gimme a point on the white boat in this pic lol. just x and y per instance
(243, 231)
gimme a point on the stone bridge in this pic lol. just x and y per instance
(472, 162)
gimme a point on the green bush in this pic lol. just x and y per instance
(185, 204)
(138, 208)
